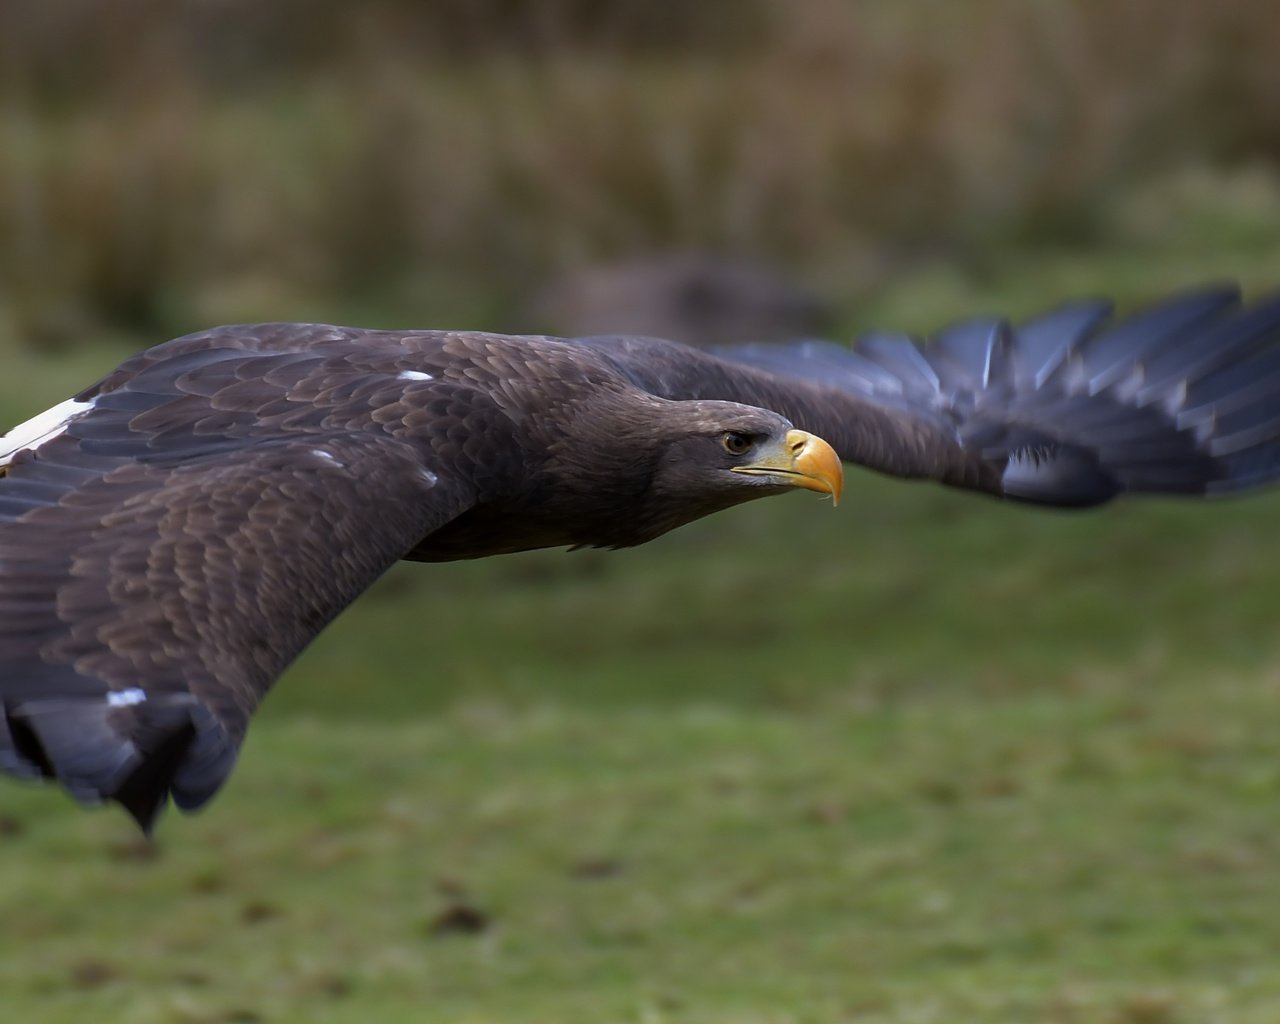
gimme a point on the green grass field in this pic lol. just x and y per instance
(923, 758)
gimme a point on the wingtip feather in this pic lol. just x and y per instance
(137, 754)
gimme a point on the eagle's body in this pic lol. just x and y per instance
(174, 535)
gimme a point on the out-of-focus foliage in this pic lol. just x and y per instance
(166, 164)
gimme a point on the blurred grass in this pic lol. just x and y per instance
(1081, 857)
(925, 758)
(1100, 852)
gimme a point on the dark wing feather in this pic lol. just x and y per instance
(145, 610)
(165, 557)
(1067, 409)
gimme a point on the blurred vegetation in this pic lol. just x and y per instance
(163, 165)
(927, 758)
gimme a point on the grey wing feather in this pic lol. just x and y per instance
(1070, 408)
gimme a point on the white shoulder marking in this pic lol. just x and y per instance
(39, 429)
(329, 456)
(429, 477)
(413, 375)
(126, 698)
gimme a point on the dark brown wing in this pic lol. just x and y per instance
(166, 552)
(145, 611)
(1069, 409)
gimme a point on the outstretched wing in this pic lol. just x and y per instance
(161, 563)
(1068, 409)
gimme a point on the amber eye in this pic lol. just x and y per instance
(737, 444)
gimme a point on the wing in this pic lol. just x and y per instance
(165, 553)
(1069, 409)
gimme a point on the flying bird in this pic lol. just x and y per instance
(173, 536)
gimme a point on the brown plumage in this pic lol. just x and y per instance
(173, 536)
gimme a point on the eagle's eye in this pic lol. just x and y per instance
(736, 443)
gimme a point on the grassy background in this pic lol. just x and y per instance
(925, 758)
(918, 759)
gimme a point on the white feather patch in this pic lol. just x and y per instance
(413, 375)
(330, 456)
(39, 429)
(126, 698)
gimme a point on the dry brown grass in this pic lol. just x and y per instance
(152, 176)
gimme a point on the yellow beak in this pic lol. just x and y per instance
(801, 460)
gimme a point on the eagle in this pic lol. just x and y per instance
(172, 536)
